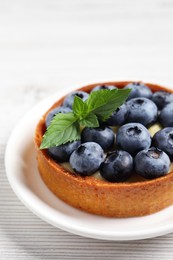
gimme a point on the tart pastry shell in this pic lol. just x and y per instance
(126, 199)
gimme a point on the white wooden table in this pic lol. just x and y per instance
(48, 45)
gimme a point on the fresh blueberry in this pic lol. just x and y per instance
(162, 98)
(138, 89)
(55, 111)
(152, 163)
(166, 115)
(62, 152)
(117, 167)
(101, 87)
(86, 159)
(133, 137)
(103, 135)
(119, 116)
(68, 101)
(163, 140)
(142, 110)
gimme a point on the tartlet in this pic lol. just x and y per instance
(127, 199)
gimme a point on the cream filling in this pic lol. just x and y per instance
(134, 178)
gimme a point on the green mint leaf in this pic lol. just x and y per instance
(79, 107)
(63, 128)
(90, 121)
(99, 106)
(103, 103)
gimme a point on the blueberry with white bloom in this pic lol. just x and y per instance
(102, 135)
(87, 158)
(138, 89)
(162, 98)
(117, 167)
(133, 137)
(163, 140)
(119, 116)
(166, 115)
(102, 87)
(68, 101)
(142, 110)
(62, 152)
(152, 163)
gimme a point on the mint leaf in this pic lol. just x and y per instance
(79, 107)
(90, 121)
(98, 107)
(103, 103)
(63, 128)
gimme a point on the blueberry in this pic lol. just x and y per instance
(68, 101)
(103, 135)
(166, 115)
(138, 89)
(55, 111)
(86, 159)
(133, 137)
(142, 110)
(162, 98)
(100, 87)
(152, 163)
(117, 167)
(163, 140)
(62, 152)
(119, 116)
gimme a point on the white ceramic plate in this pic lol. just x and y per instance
(21, 168)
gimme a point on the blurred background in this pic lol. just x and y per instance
(57, 43)
(48, 45)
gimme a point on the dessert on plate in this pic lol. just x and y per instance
(107, 148)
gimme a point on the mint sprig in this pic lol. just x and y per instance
(80, 108)
(97, 108)
(102, 104)
(89, 121)
(63, 128)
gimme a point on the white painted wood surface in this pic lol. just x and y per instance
(48, 45)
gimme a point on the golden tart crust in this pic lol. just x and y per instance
(98, 196)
